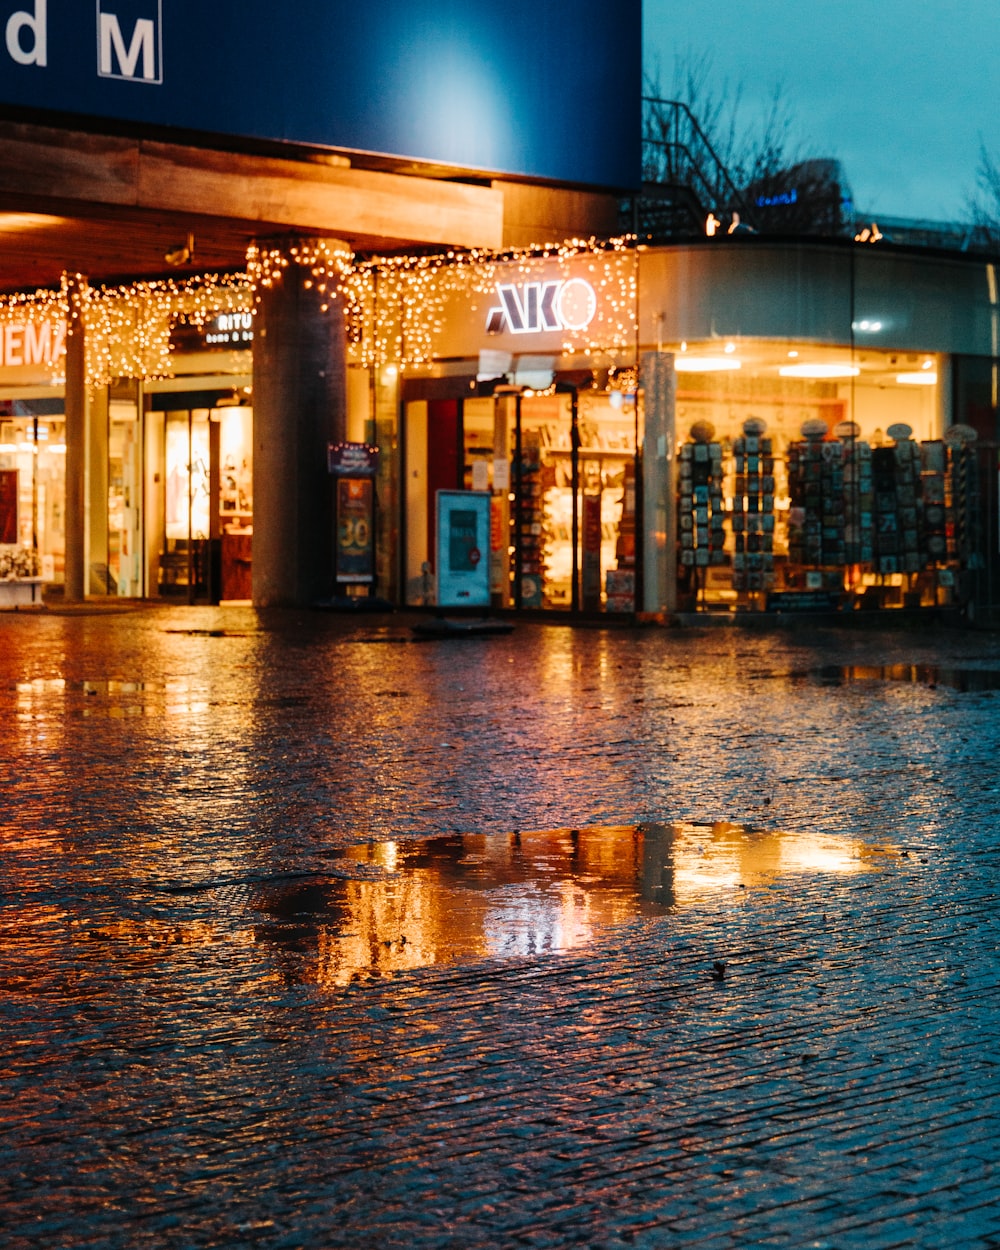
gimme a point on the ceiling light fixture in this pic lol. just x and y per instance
(917, 379)
(706, 364)
(818, 370)
(181, 255)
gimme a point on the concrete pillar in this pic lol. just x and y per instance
(76, 448)
(299, 406)
(659, 484)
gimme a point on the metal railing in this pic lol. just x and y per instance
(684, 178)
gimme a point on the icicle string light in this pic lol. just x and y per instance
(396, 308)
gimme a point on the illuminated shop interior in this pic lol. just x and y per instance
(823, 470)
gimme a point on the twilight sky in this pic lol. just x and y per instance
(902, 92)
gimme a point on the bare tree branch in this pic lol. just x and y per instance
(787, 190)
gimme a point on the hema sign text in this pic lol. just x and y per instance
(129, 45)
(31, 343)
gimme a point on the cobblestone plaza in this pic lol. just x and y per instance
(316, 935)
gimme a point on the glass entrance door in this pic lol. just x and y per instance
(545, 509)
(124, 499)
(572, 501)
(185, 555)
(560, 468)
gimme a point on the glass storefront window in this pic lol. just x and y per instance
(235, 502)
(33, 460)
(124, 497)
(183, 565)
(820, 474)
(560, 467)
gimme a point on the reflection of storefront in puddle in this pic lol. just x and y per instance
(410, 904)
(961, 679)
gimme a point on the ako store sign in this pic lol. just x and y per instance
(451, 82)
(537, 307)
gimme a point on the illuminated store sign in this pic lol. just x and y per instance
(223, 330)
(31, 343)
(229, 330)
(537, 307)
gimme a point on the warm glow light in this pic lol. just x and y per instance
(394, 307)
(29, 221)
(706, 364)
(916, 379)
(819, 370)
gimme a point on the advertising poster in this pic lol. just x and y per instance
(463, 544)
(353, 467)
(355, 530)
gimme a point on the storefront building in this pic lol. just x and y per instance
(168, 449)
(167, 400)
(728, 427)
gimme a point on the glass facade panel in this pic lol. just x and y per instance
(33, 462)
(819, 477)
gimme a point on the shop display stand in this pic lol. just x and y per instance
(908, 498)
(701, 512)
(963, 507)
(859, 503)
(886, 510)
(530, 518)
(620, 581)
(817, 519)
(753, 512)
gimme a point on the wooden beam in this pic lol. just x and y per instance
(331, 200)
(273, 194)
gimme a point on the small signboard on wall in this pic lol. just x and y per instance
(463, 546)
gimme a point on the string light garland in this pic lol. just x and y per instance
(396, 308)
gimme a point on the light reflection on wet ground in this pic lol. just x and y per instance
(931, 675)
(402, 905)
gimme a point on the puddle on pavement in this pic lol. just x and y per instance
(109, 698)
(210, 633)
(964, 680)
(393, 906)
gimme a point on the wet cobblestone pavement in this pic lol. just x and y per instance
(313, 935)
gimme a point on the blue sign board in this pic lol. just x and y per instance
(551, 91)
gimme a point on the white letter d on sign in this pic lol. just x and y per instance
(35, 24)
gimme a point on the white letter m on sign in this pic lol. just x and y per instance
(139, 60)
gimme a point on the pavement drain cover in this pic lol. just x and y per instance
(393, 906)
